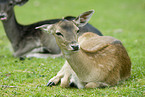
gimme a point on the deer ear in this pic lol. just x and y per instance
(46, 28)
(20, 2)
(83, 19)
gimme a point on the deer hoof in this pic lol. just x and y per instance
(50, 84)
(73, 85)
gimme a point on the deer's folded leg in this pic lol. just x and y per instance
(96, 85)
(63, 75)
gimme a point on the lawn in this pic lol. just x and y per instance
(122, 19)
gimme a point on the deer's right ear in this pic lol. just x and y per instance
(20, 2)
(83, 18)
(46, 28)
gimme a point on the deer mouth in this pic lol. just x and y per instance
(3, 16)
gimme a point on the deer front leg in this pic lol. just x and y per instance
(67, 77)
(63, 75)
(27, 46)
(96, 85)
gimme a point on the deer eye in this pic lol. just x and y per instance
(11, 3)
(59, 34)
(78, 31)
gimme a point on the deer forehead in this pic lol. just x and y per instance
(66, 26)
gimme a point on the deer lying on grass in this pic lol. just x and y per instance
(91, 61)
(25, 39)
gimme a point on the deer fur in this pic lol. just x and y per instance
(91, 61)
(25, 39)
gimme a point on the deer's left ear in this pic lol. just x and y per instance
(46, 28)
(83, 19)
(20, 2)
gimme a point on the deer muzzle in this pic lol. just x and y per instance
(75, 47)
(3, 16)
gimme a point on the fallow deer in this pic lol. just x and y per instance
(25, 39)
(91, 61)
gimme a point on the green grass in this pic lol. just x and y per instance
(122, 19)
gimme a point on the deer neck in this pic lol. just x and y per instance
(79, 63)
(12, 28)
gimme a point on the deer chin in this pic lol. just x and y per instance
(74, 50)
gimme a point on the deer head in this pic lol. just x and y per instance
(66, 32)
(6, 7)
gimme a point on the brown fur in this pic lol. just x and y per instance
(112, 54)
(100, 61)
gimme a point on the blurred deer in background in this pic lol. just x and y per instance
(91, 61)
(25, 39)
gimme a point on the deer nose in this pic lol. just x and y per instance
(2, 16)
(75, 47)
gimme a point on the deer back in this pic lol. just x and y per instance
(106, 53)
